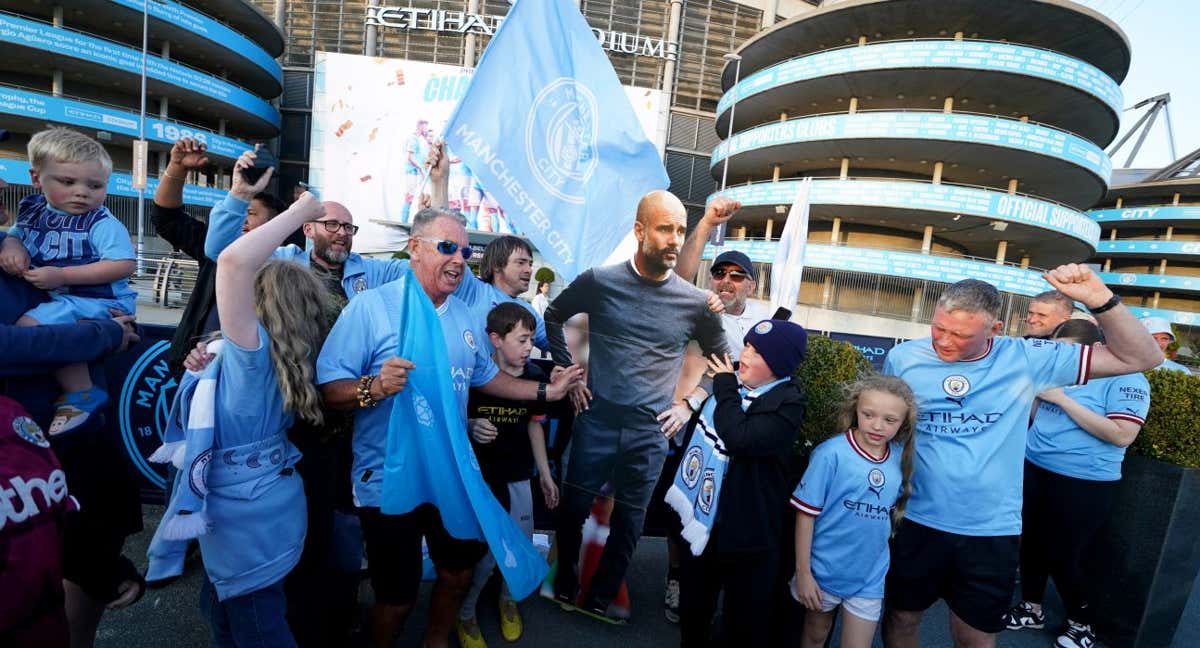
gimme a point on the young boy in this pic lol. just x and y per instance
(67, 243)
(509, 441)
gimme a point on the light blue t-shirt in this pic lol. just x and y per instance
(363, 337)
(971, 423)
(1058, 444)
(1171, 365)
(249, 403)
(851, 494)
(358, 273)
(58, 239)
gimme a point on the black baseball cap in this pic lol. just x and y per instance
(738, 259)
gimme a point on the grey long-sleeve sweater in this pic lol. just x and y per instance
(638, 331)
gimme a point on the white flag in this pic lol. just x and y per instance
(789, 256)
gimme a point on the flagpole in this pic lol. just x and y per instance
(719, 234)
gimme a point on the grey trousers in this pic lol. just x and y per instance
(631, 458)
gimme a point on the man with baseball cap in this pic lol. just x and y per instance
(1160, 330)
(734, 279)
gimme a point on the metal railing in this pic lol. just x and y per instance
(167, 279)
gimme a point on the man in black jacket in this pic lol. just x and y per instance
(187, 234)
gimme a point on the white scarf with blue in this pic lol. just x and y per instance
(429, 457)
(696, 491)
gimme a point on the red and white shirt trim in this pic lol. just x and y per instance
(805, 507)
(1126, 416)
(1085, 364)
(887, 450)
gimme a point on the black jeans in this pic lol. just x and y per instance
(1061, 518)
(746, 579)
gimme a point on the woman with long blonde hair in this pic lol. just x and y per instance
(849, 502)
(240, 494)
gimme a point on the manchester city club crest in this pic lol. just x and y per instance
(561, 133)
(28, 430)
(469, 338)
(708, 491)
(691, 466)
(424, 412)
(956, 385)
(763, 328)
(360, 284)
(876, 480)
(142, 409)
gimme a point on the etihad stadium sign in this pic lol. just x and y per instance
(461, 22)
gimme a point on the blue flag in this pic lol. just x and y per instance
(429, 458)
(548, 130)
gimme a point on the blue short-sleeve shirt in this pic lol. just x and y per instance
(249, 403)
(851, 494)
(1058, 444)
(971, 426)
(363, 337)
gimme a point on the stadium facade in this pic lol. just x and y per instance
(946, 139)
(210, 73)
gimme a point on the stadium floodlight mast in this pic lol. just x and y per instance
(736, 59)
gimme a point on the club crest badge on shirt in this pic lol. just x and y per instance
(28, 430)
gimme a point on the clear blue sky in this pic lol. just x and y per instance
(1165, 38)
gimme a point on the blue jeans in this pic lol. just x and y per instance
(254, 620)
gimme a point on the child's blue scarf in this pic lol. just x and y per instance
(429, 457)
(696, 491)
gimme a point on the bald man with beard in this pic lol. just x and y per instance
(641, 316)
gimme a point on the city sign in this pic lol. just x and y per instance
(461, 22)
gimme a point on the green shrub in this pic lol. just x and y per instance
(827, 369)
(544, 274)
(401, 255)
(1172, 430)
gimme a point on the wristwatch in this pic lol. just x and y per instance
(541, 393)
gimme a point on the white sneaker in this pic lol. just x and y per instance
(1078, 635)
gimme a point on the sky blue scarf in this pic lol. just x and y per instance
(429, 458)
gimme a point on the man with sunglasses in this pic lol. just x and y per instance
(734, 280)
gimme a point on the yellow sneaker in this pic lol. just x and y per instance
(469, 635)
(510, 620)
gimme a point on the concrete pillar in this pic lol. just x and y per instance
(783, 116)
(1162, 266)
(56, 82)
(845, 168)
(853, 105)
(1170, 231)
(927, 240)
(280, 17)
(1012, 185)
(1112, 234)
(948, 105)
(1175, 200)
(674, 20)
(1024, 119)
(918, 299)
(862, 40)
(1108, 265)
(1120, 201)
(221, 127)
(1154, 301)
(770, 228)
(775, 170)
(770, 9)
(741, 233)
(162, 107)
(166, 50)
(835, 234)
(1024, 262)
(472, 39)
(827, 292)
(1001, 251)
(958, 36)
(937, 172)
(57, 17)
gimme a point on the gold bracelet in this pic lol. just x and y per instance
(183, 178)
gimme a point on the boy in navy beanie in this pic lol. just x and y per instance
(741, 483)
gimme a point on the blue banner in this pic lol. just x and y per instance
(925, 196)
(531, 129)
(1173, 316)
(873, 348)
(119, 184)
(1155, 281)
(24, 103)
(975, 129)
(1159, 213)
(63, 42)
(934, 54)
(1170, 248)
(913, 265)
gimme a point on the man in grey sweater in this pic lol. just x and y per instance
(640, 319)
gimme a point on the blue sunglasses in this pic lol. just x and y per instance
(448, 247)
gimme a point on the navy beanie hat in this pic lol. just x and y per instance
(781, 344)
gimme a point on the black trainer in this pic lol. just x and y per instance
(1022, 616)
(1078, 635)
